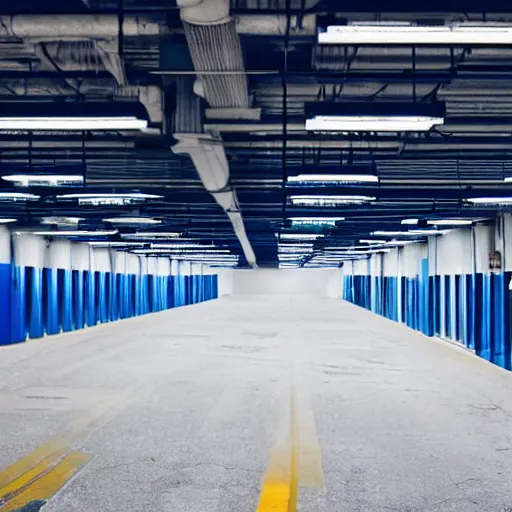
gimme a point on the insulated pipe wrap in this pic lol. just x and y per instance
(217, 49)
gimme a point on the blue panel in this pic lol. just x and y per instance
(90, 296)
(442, 307)
(124, 296)
(34, 300)
(170, 291)
(137, 284)
(78, 299)
(452, 310)
(507, 321)
(164, 283)
(101, 297)
(425, 309)
(497, 304)
(65, 279)
(485, 327)
(435, 305)
(51, 293)
(182, 290)
(215, 286)
(19, 321)
(113, 297)
(5, 304)
(132, 298)
(145, 294)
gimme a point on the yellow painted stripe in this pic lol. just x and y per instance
(280, 483)
(27, 463)
(311, 470)
(33, 473)
(44, 487)
(294, 456)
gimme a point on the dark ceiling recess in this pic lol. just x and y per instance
(135, 54)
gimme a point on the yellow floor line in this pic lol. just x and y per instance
(24, 479)
(38, 474)
(275, 491)
(311, 472)
(29, 462)
(49, 483)
(295, 460)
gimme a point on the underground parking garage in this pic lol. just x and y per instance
(255, 256)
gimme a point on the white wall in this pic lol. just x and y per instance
(80, 257)
(451, 253)
(411, 258)
(29, 250)
(310, 282)
(58, 254)
(226, 281)
(5, 245)
(376, 265)
(360, 267)
(101, 260)
(483, 242)
(390, 263)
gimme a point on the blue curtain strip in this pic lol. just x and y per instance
(473, 309)
(35, 302)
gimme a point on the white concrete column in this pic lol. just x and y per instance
(5, 245)
(58, 254)
(30, 250)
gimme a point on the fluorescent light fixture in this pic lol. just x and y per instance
(490, 200)
(132, 220)
(114, 244)
(426, 232)
(180, 245)
(61, 220)
(324, 200)
(207, 257)
(401, 242)
(73, 123)
(508, 179)
(376, 242)
(184, 255)
(397, 32)
(316, 221)
(44, 180)
(75, 233)
(296, 249)
(109, 199)
(299, 236)
(7, 221)
(333, 178)
(148, 234)
(395, 233)
(372, 123)
(450, 222)
(410, 222)
(17, 196)
(373, 116)
(197, 251)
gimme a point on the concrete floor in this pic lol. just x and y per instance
(183, 410)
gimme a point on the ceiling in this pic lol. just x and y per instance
(426, 175)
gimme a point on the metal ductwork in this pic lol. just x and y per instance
(215, 49)
(217, 57)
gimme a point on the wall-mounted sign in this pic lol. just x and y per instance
(495, 260)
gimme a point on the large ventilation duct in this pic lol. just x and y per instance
(217, 57)
(215, 49)
(210, 161)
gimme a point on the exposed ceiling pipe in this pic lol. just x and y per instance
(215, 46)
(75, 26)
